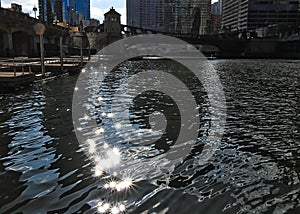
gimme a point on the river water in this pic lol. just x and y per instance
(43, 168)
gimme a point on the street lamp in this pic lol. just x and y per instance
(34, 10)
(39, 29)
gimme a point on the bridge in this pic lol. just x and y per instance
(18, 38)
(100, 38)
(226, 46)
(232, 46)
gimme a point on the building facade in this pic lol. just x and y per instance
(147, 14)
(176, 16)
(216, 17)
(83, 7)
(45, 11)
(195, 16)
(133, 13)
(235, 14)
(50, 10)
(75, 11)
(216, 23)
(216, 8)
(252, 14)
(108, 32)
(58, 13)
(16, 7)
(69, 11)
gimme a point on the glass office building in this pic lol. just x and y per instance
(253, 14)
(147, 14)
(133, 13)
(176, 16)
(195, 16)
(83, 7)
(72, 9)
(50, 10)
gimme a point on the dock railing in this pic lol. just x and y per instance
(25, 64)
(12, 64)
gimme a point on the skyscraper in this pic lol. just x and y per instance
(173, 13)
(57, 6)
(147, 14)
(235, 14)
(69, 11)
(133, 13)
(50, 10)
(216, 8)
(73, 9)
(180, 16)
(45, 11)
(216, 17)
(253, 14)
(195, 16)
(84, 7)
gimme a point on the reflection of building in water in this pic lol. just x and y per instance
(180, 16)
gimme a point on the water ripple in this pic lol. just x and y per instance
(255, 169)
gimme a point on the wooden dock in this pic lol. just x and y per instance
(53, 65)
(22, 71)
(13, 80)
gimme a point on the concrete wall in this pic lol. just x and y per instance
(18, 36)
(80, 38)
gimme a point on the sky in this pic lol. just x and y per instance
(98, 7)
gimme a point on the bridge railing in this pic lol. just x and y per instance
(178, 35)
(26, 18)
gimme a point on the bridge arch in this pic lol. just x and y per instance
(28, 31)
(23, 44)
(3, 36)
(4, 29)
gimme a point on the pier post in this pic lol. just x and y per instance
(39, 29)
(10, 45)
(15, 73)
(61, 54)
(14, 67)
(23, 71)
(42, 54)
(35, 47)
(81, 52)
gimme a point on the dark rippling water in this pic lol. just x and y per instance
(255, 169)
